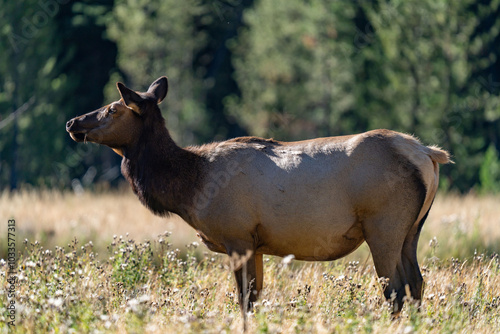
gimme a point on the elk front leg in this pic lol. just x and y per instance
(259, 278)
(248, 275)
(248, 272)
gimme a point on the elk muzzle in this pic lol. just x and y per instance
(82, 128)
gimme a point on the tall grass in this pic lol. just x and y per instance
(98, 278)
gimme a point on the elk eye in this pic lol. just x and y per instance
(112, 110)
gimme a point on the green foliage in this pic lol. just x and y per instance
(131, 262)
(156, 38)
(293, 69)
(321, 68)
(489, 173)
(45, 66)
(29, 73)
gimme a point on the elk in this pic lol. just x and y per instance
(317, 199)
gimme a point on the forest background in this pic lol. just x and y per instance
(287, 69)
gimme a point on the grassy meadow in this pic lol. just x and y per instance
(102, 263)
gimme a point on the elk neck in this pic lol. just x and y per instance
(163, 175)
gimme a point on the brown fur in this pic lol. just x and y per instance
(254, 140)
(318, 199)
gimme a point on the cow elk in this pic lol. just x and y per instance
(317, 199)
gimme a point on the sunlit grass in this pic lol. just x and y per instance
(152, 281)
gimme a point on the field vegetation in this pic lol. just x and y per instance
(102, 263)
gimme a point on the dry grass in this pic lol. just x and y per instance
(121, 285)
(53, 217)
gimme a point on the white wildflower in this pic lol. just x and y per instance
(30, 264)
(287, 259)
(56, 302)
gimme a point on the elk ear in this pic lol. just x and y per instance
(159, 89)
(131, 98)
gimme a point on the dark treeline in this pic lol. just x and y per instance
(288, 69)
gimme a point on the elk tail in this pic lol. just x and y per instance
(438, 155)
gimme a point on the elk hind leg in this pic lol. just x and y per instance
(389, 267)
(386, 236)
(410, 262)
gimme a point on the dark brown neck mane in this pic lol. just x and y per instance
(164, 176)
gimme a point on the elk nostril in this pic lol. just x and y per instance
(69, 124)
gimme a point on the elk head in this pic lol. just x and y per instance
(119, 124)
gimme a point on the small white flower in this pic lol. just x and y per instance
(408, 330)
(134, 304)
(144, 298)
(56, 302)
(287, 259)
(30, 264)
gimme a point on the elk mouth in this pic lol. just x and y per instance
(85, 131)
(78, 136)
(76, 131)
